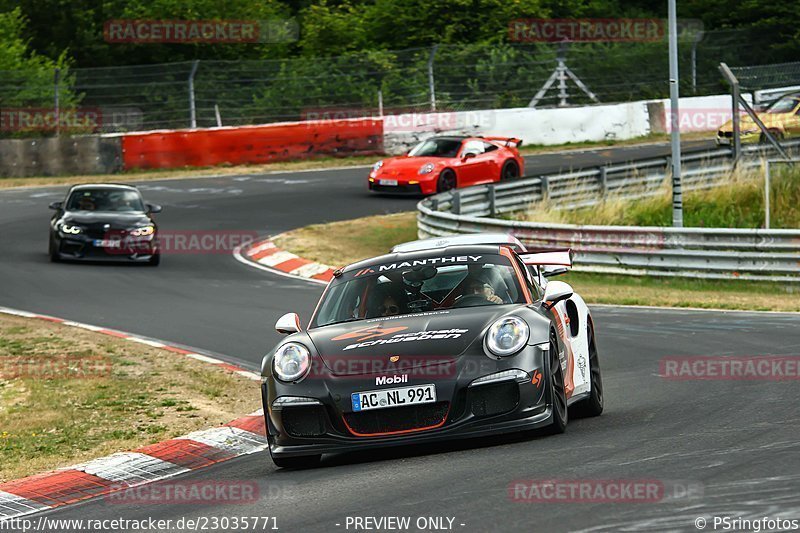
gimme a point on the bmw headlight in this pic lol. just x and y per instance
(377, 166)
(426, 169)
(70, 229)
(507, 336)
(291, 362)
(144, 231)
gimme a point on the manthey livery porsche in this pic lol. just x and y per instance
(439, 164)
(441, 339)
(104, 222)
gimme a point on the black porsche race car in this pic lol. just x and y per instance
(104, 222)
(440, 339)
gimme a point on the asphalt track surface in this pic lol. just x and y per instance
(732, 443)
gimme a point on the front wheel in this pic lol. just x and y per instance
(558, 392)
(762, 139)
(447, 181)
(593, 405)
(154, 260)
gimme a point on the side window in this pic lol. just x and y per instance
(472, 147)
(489, 147)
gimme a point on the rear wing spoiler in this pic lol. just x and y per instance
(551, 263)
(508, 140)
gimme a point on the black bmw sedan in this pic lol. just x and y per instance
(104, 222)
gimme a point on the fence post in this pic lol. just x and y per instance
(57, 103)
(603, 181)
(455, 205)
(545, 183)
(492, 201)
(431, 87)
(192, 111)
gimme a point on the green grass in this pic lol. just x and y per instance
(69, 395)
(739, 203)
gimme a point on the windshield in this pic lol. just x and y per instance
(436, 148)
(426, 284)
(783, 105)
(115, 200)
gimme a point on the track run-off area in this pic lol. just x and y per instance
(730, 443)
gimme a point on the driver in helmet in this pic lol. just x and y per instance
(482, 288)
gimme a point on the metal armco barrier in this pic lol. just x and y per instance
(754, 254)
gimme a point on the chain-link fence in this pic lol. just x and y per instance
(445, 77)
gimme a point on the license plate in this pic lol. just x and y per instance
(381, 399)
(107, 243)
(393, 183)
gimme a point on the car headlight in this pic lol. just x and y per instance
(291, 362)
(377, 166)
(507, 336)
(426, 169)
(143, 231)
(72, 230)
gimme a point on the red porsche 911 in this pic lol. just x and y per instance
(439, 164)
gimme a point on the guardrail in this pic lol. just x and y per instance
(755, 254)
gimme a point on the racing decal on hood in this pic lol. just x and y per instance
(369, 332)
(441, 334)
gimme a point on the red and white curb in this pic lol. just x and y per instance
(206, 358)
(265, 255)
(155, 462)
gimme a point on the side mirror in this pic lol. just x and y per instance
(153, 208)
(468, 155)
(550, 271)
(55, 205)
(288, 324)
(555, 292)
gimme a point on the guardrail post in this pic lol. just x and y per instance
(545, 187)
(603, 182)
(492, 201)
(455, 206)
(435, 204)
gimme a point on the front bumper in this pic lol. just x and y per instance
(472, 410)
(84, 248)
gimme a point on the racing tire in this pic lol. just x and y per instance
(297, 463)
(155, 260)
(558, 393)
(446, 181)
(510, 171)
(53, 252)
(762, 139)
(593, 405)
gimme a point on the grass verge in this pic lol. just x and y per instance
(739, 203)
(68, 395)
(341, 243)
(289, 166)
